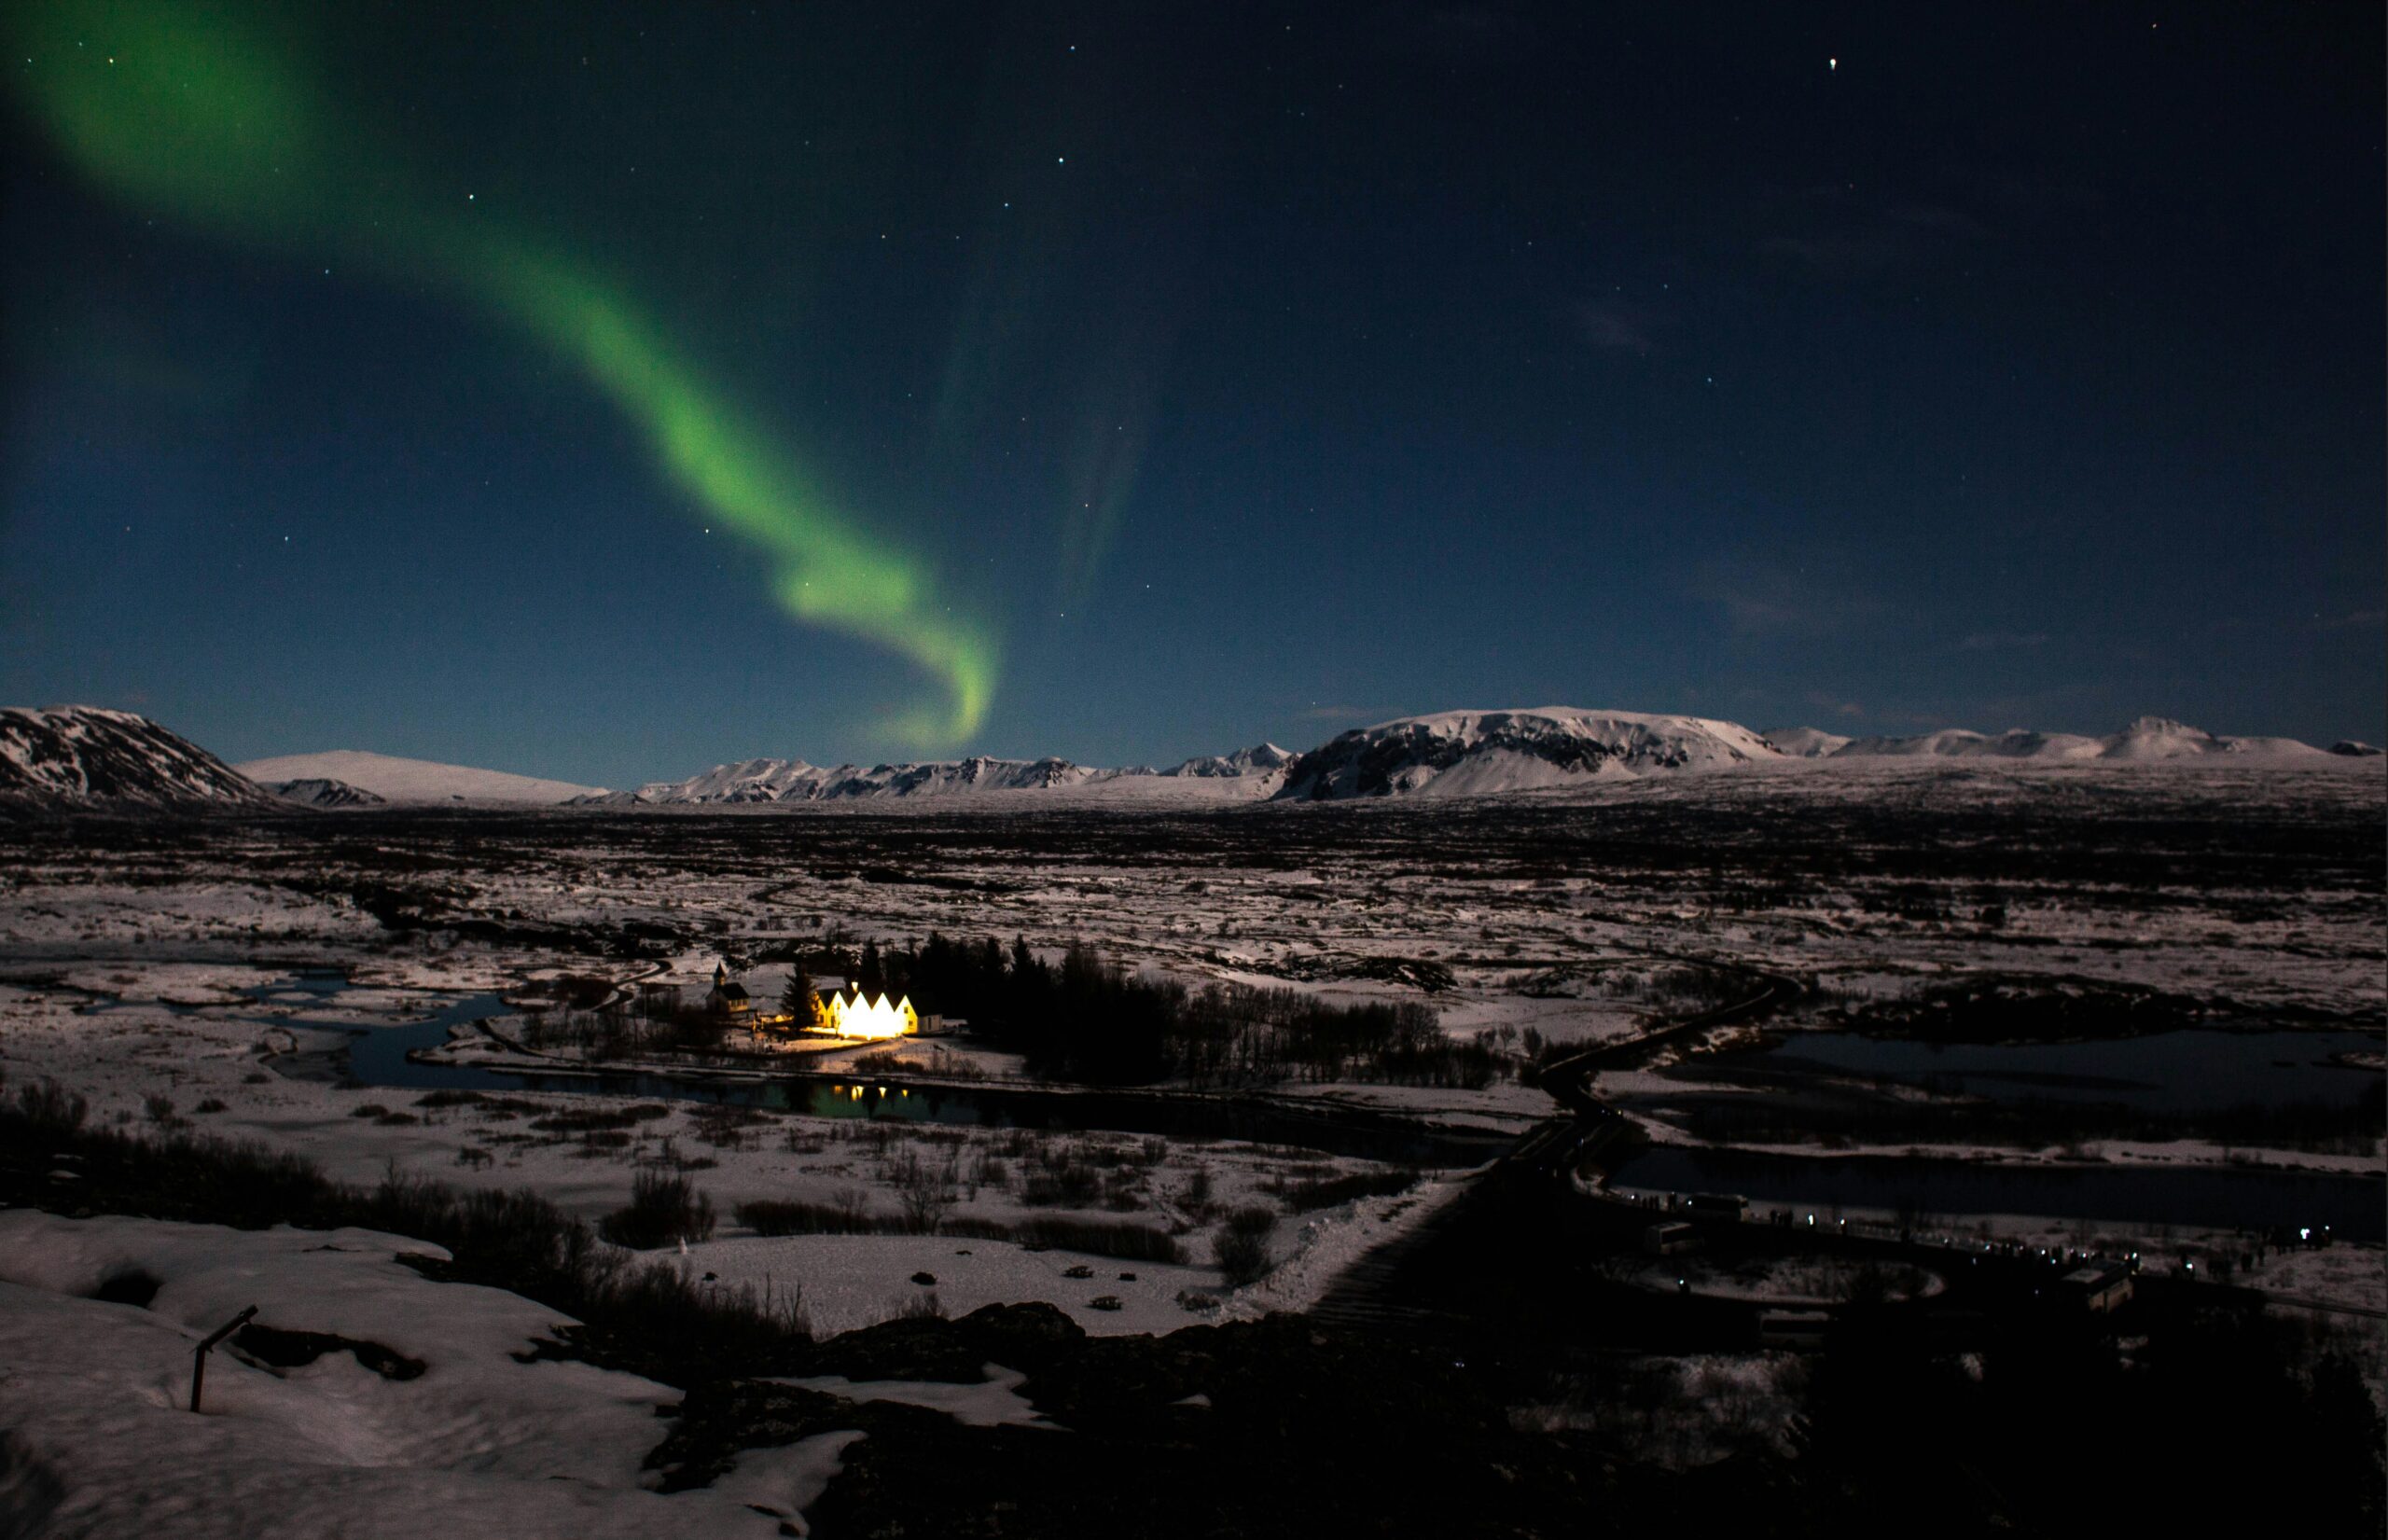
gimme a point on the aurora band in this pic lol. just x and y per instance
(180, 111)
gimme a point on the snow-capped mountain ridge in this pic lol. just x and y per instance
(1465, 753)
(1259, 759)
(751, 781)
(91, 755)
(1805, 743)
(82, 756)
(2149, 739)
(314, 791)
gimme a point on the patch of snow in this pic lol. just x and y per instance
(993, 1402)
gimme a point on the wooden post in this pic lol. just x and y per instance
(199, 1354)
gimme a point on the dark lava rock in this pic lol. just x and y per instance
(280, 1349)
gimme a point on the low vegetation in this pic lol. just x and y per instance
(643, 1315)
(665, 1209)
(851, 1215)
(1240, 1246)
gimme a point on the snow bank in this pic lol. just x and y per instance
(94, 1399)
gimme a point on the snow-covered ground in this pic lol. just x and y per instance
(101, 1440)
(217, 1063)
(1575, 916)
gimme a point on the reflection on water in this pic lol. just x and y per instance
(377, 1056)
(2200, 1070)
(2207, 1196)
(2226, 1197)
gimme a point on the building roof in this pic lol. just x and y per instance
(2097, 1275)
(730, 991)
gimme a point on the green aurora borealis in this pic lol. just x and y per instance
(605, 391)
(182, 112)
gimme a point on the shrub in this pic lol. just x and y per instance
(650, 1319)
(51, 1108)
(663, 1209)
(784, 1217)
(599, 1119)
(1240, 1246)
(1256, 1220)
(1330, 1191)
(1128, 1242)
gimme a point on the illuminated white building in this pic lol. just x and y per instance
(858, 1015)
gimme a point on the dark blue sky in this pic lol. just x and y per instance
(1250, 375)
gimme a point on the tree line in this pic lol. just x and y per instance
(1087, 1019)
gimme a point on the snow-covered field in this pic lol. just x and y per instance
(173, 975)
(1564, 919)
(466, 1438)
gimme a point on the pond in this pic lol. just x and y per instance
(378, 1055)
(2193, 1071)
(2239, 1198)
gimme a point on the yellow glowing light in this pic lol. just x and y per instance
(863, 1017)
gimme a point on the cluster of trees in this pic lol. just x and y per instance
(659, 1023)
(1087, 1019)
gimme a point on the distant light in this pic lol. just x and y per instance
(1832, 64)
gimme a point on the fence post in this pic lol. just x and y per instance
(199, 1354)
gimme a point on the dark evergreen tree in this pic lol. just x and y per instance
(798, 998)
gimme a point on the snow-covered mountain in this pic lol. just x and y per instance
(416, 781)
(2150, 739)
(317, 792)
(1468, 754)
(88, 757)
(794, 780)
(2160, 738)
(1959, 744)
(1260, 760)
(1805, 743)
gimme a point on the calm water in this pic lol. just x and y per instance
(377, 1056)
(2224, 1197)
(2177, 1071)
(2231, 1197)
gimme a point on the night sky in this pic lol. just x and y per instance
(607, 391)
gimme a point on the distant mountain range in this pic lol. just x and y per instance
(69, 756)
(752, 781)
